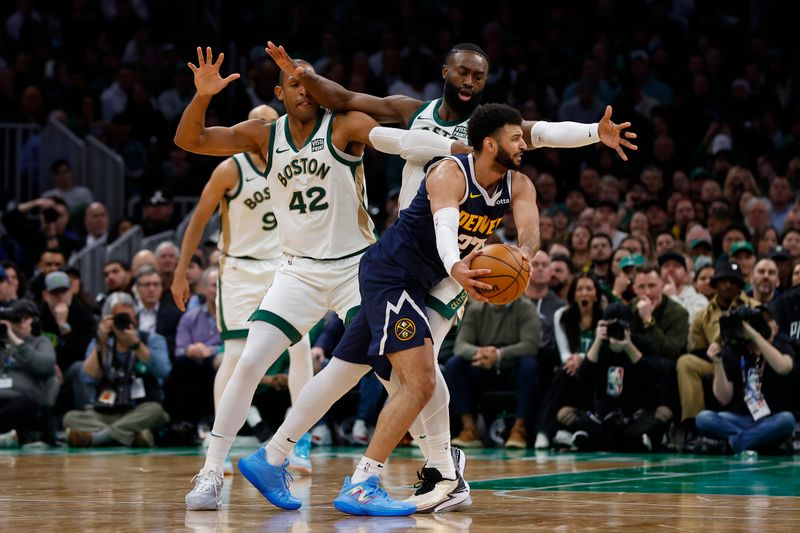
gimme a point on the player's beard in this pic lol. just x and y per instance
(462, 109)
(505, 160)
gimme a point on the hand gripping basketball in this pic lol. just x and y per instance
(467, 277)
(509, 273)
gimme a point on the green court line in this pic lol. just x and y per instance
(728, 476)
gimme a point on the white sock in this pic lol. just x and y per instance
(366, 469)
(218, 450)
(301, 368)
(314, 400)
(440, 457)
(279, 447)
(422, 442)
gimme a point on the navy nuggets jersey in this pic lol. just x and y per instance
(411, 241)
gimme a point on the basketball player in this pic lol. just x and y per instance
(460, 202)
(465, 71)
(314, 170)
(251, 253)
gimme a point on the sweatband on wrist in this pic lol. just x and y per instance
(414, 145)
(445, 224)
(563, 134)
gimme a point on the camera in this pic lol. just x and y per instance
(50, 214)
(731, 331)
(617, 328)
(12, 315)
(122, 321)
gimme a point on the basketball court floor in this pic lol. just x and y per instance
(119, 489)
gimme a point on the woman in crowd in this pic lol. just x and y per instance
(579, 241)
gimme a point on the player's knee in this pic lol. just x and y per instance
(422, 388)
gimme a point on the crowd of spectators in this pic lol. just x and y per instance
(703, 219)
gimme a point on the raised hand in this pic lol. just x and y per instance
(611, 134)
(282, 59)
(206, 74)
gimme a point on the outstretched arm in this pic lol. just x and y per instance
(540, 133)
(224, 178)
(389, 110)
(417, 145)
(192, 134)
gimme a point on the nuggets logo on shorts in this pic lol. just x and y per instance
(404, 329)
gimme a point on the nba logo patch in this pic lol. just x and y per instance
(317, 145)
(404, 329)
(614, 381)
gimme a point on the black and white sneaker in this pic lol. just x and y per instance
(436, 494)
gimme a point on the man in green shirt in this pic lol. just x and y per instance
(495, 349)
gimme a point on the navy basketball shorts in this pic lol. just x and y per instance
(391, 319)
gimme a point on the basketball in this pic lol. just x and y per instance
(509, 276)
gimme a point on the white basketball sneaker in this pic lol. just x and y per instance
(207, 492)
(436, 494)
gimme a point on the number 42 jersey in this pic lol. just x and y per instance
(411, 241)
(318, 193)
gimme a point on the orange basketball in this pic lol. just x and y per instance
(509, 276)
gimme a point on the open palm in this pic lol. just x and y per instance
(282, 59)
(206, 74)
(611, 134)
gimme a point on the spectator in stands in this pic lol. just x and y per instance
(607, 214)
(17, 281)
(765, 240)
(115, 98)
(190, 387)
(579, 241)
(51, 260)
(562, 275)
(76, 287)
(693, 368)
(69, 325)
(574, 327)
(790, 240)
(621, 380)
(702, 281)
(600, 250)
(676, 283)
(752, 383)
(95, 223)
(742, 253)
(7, 292)
(29, 367)
(546, 302)
(157, 214)
(50, 232)
(76, 197)
(623, 281)
(496, 347)
(157, 310)
(781, 199)
(665, 241)
(117, 278)
(126, 366)
(765, 281)
(166, 261)
(140, 259)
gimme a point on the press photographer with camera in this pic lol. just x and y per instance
(28, 382)
(128, 367)
(619, 376)
(753, 364)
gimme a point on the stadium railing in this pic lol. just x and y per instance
(58, 142)
(105, 176)
(126, 246)
(89, 263)
(20, 147)
(152, 242)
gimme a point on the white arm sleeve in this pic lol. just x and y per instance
(563, 134)
(415, 145)
(445, 223)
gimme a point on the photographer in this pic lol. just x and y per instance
(28, 382)
(619, 373)
(129, 366)
(752, 367)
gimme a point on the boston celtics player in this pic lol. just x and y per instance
(251, 253)
(318, 193)
(464, 72)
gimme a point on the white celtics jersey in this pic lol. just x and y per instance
(427, 118)
(248, 227)
(319, 194)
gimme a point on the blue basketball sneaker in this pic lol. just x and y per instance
(271, 481)
(299, 460)
(369, 499)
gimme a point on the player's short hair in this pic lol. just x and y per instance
(487, 119)
(466, 47)
(282, 74)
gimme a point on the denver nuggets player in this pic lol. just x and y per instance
(251, 253)
(317, 185)
(465, 70)
(435, 238)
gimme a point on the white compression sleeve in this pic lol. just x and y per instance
(415, 145)
(301, 368)
(563, 134)
(445, 223)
